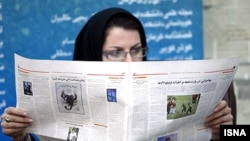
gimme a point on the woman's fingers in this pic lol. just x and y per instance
(15, 121)
(221, 115)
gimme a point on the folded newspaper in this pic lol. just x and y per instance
(122, 101)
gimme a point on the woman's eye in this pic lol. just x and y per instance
(135, 50)
(115, 53)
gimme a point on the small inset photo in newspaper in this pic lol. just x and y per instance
(69, 97)
(170, 137)
(111, 95)
(27, 88)
(179, 106)
(73, 134)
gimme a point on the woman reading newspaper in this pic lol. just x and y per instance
(113, 34)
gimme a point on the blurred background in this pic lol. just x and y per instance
(227, 34)
(176, 30)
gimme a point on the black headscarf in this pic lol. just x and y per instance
(89, 42)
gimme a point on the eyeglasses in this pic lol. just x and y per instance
(119, 55)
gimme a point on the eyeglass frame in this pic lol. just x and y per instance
(124, 53)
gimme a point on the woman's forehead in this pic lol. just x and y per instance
(121, 37)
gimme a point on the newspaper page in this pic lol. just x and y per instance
(122, 101)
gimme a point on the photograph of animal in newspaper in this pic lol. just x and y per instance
(69, 97)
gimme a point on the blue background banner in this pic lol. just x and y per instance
(46, 29)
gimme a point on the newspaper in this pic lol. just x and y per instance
(122, 101)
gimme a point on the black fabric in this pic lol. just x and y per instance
(232, 102)
(32, 138)
(89, 42)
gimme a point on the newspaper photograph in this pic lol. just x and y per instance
(122, 101)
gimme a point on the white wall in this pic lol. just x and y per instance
(227, 34)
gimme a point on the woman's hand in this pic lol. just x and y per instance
(221, 116)
(14, 122)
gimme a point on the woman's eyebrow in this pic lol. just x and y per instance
(136, 45)
(119, 47)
